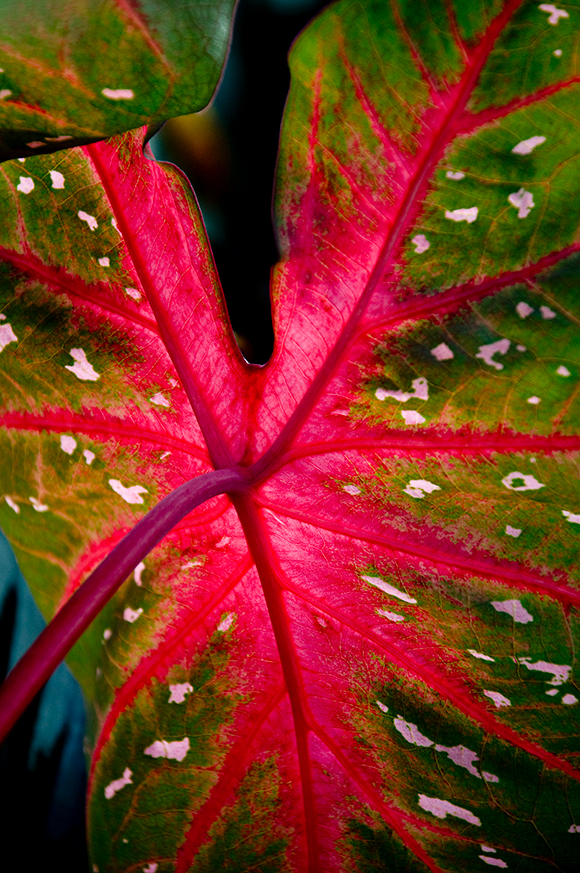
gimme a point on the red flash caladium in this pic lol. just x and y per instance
(363, 658)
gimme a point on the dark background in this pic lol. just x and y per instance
(229, 153)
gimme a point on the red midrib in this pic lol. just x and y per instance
(266, 565)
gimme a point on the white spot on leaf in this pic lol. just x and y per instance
(547, 313)
(465, 758)
(107, 633)
(512, 531)
(4, 93)
(442, 808)
(480, 655)
(498, 698)
(572, 517)
(421, 243)
(514, 608)
(468, 215)
(34, 145)
(90, 219)
(534, 400)
(455, 175)
(527, 146)
(176, 750)
(569, 699)
(557, 53)
(7, 335)
(523, 201)
(68, 444)
(131, 615)
(488, 849)
(57, 179)
(159, 400)
(40, 507)
(411, 416)
(226, 622)
(81, 368)
(442, 352)
(388, 589)
(552, 692)
(132, 292)
(560, 672)
(129, 495)
(116, 785)
(12, 504)
(574, 829)
(420, 391)
(351, 489)
(487, 352)
(89, 456)
(118, 93)
(493, 862)
(411, 732)
(179, 691)
(563, 371)
(61, 138)
(104, 262)
(523, 309)
(555, 13)
(392, 616)
(418, 488)
(530, 483)
(26, 185)
(138, 573)
(382, 706)
(151, 867)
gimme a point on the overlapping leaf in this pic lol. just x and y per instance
(368, 662)
(79, 72)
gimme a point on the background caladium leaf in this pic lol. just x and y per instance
(72, 73)
(367, 661)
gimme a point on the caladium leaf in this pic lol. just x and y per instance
(77, 72)
(365, 659)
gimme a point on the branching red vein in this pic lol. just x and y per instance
(232, 771)
(74, 286)
(432, 442)
(391, 817)
(514, 576)
(462, 700)
(447, 301)
(62, 420)
(147, 667)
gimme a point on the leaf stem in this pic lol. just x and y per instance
(48, 650)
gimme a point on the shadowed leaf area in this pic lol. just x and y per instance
(363, 658)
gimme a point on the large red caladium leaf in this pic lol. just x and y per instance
(79, 72)
(364, 660)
